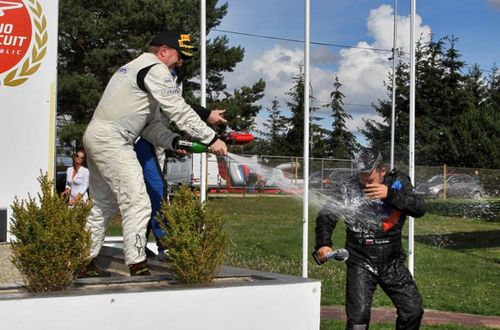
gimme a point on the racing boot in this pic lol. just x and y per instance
(139, 269)
(92, 270)
(162, 256)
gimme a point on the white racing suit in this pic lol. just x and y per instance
(125, 112)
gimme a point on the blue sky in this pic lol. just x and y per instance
(367, 24)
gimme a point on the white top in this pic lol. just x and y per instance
(79, 184)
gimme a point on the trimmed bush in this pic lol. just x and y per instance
(487, 209)
(195, 239)
(51, 242)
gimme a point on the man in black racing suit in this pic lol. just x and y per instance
(374, 205)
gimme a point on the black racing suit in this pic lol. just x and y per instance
(376, 256)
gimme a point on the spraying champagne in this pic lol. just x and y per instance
(198, 147)
(337, 255)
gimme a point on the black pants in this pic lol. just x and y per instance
(396, 281)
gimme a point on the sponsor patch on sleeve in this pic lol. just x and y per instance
(123, 70)
(169, 81)
(170, 90)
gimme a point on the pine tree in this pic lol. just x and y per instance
(97, 37)
(378, 133)
(456, 117)
(275, 130)
(317, 137)
(294, 138)
(478, 128)
(341, 143)
(493, 100)
(240, 107)
(295, 134)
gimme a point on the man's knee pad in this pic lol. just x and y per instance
(359, 326)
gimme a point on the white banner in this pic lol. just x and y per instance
(28, 73)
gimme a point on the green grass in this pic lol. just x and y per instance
(340, 325)
(457, 259)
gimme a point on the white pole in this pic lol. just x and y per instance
(393, 112)
(411, 147)
(203, 86)
(305, 201)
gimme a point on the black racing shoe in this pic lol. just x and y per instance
(139, 269)
(162, 256)
(92, 270)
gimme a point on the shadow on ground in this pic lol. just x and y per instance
(462, 240)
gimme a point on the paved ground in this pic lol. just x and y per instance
(387, 315)
(10, 274)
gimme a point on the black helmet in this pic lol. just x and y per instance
(367, 159)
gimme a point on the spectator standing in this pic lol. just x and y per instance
(77, 180)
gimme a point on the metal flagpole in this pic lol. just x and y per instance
(305, 202)
(203, 86)
(393, 112)
(411, 147)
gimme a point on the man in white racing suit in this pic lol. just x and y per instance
(136, 95)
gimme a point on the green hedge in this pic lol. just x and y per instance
(487, 209)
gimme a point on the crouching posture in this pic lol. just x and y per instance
(374, 204)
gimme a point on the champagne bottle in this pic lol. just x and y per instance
(191, 146)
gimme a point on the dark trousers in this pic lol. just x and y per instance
(396, 281)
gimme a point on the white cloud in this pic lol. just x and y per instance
(277, 66)
(362, 73)
(278, 63)
(380, 25)
(322, 55)
(494, 3)
(361, 70)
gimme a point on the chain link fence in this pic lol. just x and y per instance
(326, 173)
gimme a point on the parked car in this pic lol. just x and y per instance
(62, 163)
(329, 178)
(457, 185)
(60, 182)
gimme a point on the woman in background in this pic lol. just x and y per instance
(77, 180)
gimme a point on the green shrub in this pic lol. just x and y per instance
(487, 209)
(195, 239)
(51, 242)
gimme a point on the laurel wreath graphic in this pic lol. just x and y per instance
(33, 62)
